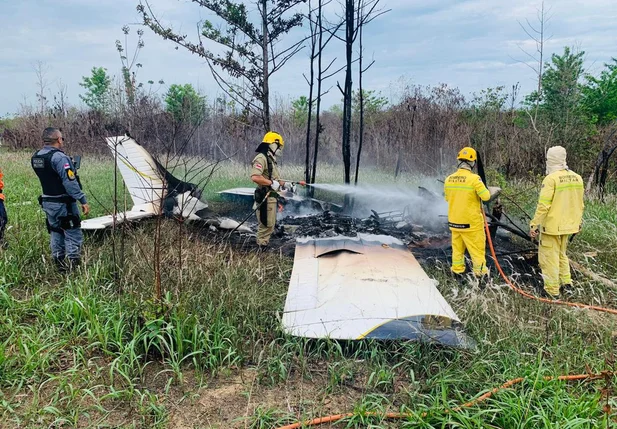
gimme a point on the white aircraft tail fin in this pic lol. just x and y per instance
(153, 189)
(143, 180)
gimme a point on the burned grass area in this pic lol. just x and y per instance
(427, 239)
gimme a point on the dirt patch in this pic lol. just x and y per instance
(231, 401)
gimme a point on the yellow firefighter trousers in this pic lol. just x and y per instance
(554, 262)
(265, 231)
(475, 243)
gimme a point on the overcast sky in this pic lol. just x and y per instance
(470, 44)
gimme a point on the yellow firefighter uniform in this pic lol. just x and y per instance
(558, 215)
(265, 165)
(464, 192)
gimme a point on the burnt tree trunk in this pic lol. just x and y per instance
(318, 127)
(361, 100)
(600, 173)
(311, 80)
(349, 39)
(265, 96)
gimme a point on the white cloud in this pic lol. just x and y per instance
(472, 44)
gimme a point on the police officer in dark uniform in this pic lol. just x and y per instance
(61, 191)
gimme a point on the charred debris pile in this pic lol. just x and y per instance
(331, 224)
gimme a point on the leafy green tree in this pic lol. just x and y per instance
(373, 102)
(185, 104)
(600, 95)
(98, 87)
(243, 45)
(300, 108)
(561, 112)
(561, 91)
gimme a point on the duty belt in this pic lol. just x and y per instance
(58, 199)
(70, 221)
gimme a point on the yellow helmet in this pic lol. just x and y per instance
(467, 154)
(272, 138)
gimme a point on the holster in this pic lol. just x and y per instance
(70, 221)
(260, 196)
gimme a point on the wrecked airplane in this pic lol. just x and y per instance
(290, 199)
(155, 191)
(369, 286)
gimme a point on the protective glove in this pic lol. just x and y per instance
(494, 191)
(275, 185)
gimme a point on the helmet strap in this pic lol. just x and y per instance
(467, 165)
(273, 152)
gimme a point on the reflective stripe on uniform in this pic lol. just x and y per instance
(466, 188)
(569, 186)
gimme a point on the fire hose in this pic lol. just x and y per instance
(527, 294)
(487, 395)
(392, 416)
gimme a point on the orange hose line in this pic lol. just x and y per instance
(389, 416)
(487, 395)
(530, 296)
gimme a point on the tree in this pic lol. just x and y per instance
(350, 37)
(41, 69)
(562, 97)
(128, 64)
(317, 76)
(251, 52)
(535, 61)
(185, 104)
(372, 101)
(301, 108)
(97, 88)
(600, 95)
(358, 13)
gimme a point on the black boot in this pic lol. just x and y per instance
(484, 281)
(567, 290)
(461, 279)
(73, 264)
(60, 264)
(544, 294)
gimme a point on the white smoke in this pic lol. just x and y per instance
(425, 207)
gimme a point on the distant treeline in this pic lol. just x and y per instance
(420, 132)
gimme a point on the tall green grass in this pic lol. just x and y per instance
(94, 349)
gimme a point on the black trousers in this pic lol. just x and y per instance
(3, 219)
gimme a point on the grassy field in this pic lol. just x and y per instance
(95, 350)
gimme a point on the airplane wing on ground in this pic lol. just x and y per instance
(104, 222)
(369, 286)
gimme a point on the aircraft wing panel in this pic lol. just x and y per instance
(103, 222)
(368, 286)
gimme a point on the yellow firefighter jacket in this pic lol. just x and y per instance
(560, 206)
(463, 191)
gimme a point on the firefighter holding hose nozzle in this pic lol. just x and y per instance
(558, 216)
(265, 174)
(464, 191)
